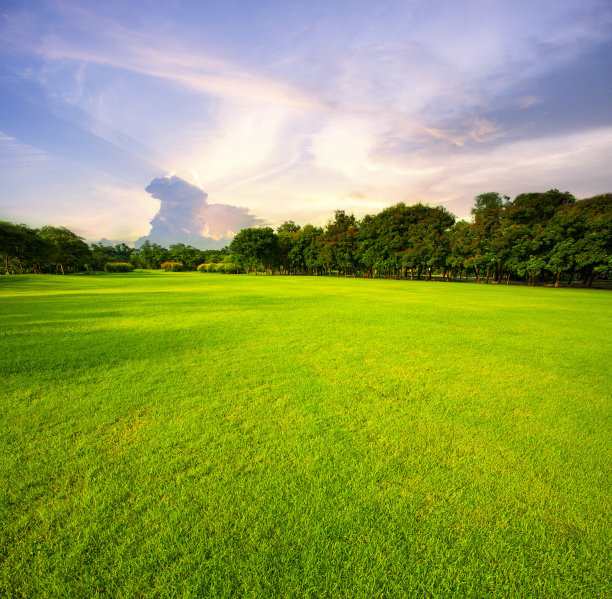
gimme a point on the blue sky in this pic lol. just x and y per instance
(290, 110)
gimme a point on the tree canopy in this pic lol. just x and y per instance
(537, 237)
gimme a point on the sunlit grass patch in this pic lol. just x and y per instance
(180, 434)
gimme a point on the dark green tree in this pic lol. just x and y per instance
(189, 256)
(580, 239)
(22, 249)
(304, 253)
(427, 242)
(287, 234)
(488, 254)
(149, 256)
(68, 251)
(255, 248)
(523, 234)
(338, 244)
(461, 246)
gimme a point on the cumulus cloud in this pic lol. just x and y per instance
(408, 101)
(185, 216)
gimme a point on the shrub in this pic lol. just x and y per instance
(202, 268)
(212, 267)
(173, 266)
(118, 267)
(228, 268)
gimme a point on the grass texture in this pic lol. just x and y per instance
(201, 435)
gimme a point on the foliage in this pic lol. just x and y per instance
(67, 251)
(229, 268)
(118, 267)
(222, 267)
(215, 256)
(149, 255)
(187, 255)
(255, 248)
(172, 266)
(537, 237)
(22, 249)
(102, 253)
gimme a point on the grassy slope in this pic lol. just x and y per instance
(180, 435)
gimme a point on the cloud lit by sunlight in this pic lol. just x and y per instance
(185, 216)
(297, 115)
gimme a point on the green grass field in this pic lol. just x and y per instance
(199, 435)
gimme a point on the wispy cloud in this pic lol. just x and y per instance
(525, 102)
(307, 106)
(565, 162)
(102, 41)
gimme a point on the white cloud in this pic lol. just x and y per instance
(185, 215)
(355, 118)
(114, 45)
(576, 163)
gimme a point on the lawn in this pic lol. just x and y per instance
(202, 435)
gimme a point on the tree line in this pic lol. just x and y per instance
(545, 237)
(59, 250)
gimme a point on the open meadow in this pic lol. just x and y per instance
(206, 435)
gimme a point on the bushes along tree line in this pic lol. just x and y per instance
(546, 237)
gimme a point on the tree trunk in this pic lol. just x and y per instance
(591, 278)
(508, 279)
(488, 273)
(477, 274)
(557, 278)
(498, 273)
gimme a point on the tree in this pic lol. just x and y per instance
(373, 250)
(22, 248)
(487, 212)
(187, 255)
(580, 238)
(255, 247)
(485, 202)
(287, 234)
(337, 246)
(67, 250)
(427, 240)
(460, 247)
(214, 256)
(101, 254)
(304, 253)
(524, 238)
(149, 256)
